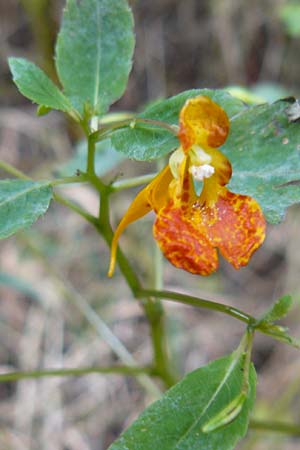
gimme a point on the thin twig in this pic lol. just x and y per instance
(76, 372)
(198, 302)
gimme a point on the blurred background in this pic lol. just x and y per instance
(57, 308)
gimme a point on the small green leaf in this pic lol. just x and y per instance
(264, 150)
(148, 142)
(279, 333)
(34, 84)
(94, 52)
(106, 158)
(21, 204)
(278, 310)
(207, 397)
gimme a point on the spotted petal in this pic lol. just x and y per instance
(189, 237)
(183, 242)
(236, 225)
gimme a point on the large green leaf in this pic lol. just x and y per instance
(94, 52)
(176, 421)
(34, 84)
(146, 142)
(264, 150)
(21, 204)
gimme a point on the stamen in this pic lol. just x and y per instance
(201, 172)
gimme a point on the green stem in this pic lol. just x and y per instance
(131, 182)
(56, 182)
(198, 302)
(173, 129)
(13, 171)
(152, 308)
(90, 168)
(156, 319)
(277, 427)
(247, 362)
(208, 304)
(97, 183)
(107, 128)
(158, 268)
(77, 372)
(104, 228)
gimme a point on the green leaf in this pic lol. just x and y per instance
(94, 52)
(148, 142)
(21, 204)
(264, 150)
(278, 310)
(204, 399)
(34, 84)
(279, 333)
(106, 159)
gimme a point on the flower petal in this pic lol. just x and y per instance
(202, 122)
(153, 196)
(236, 225)
(184, 244)
(158, 189)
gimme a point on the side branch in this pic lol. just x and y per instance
(214, 306)
(198, 302)
(77, 372)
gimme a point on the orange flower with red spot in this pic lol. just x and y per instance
(189, 228)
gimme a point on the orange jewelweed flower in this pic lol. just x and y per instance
(189, 228)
